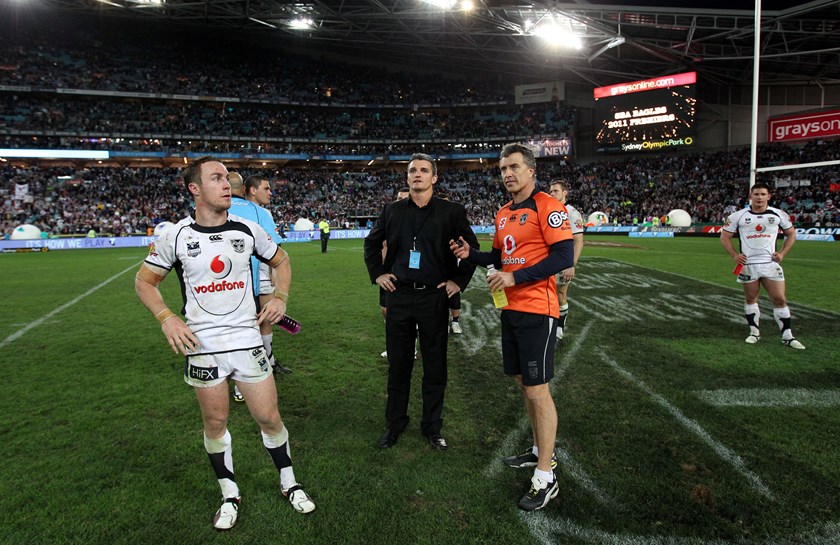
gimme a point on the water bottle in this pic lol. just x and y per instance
(289, 324)
(499, 296)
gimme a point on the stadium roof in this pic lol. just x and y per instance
(620, 40)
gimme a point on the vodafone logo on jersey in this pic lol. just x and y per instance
(224, 285)
(220, 266)
(509, 244)
(759, 228)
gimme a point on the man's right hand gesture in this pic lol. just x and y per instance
(461, 248)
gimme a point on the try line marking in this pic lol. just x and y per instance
(20, 332)
(691, 425)
(770, 397)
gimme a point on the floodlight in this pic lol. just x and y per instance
(301, 23)
(558, 36)
(467, 5)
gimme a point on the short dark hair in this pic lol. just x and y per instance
(761, 185)
(424, 157)
(562, 183)
(192, 172)
(253, 182)
(527, 154)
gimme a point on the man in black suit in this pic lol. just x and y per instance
(419, 273)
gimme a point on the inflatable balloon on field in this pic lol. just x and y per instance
(597, 218)
(679, 218)
(25, 232)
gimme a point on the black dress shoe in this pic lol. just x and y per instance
(437, 441)
(388, 439)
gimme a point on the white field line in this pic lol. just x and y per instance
(511, 442)
(691, 425)
(770, 397)
(828, 313)
(545, 529)
(20, 332)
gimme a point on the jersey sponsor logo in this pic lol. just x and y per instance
(513, 261)
(522, 219)
(152, 250)
(509, 244)
(217, 287)
(502, 223)
(220, 266)
(216, 238)
(238, 244)
(759, 228)
(557, 219)
(204, 374)
(193, 248)
(513, 217)
(759, 235)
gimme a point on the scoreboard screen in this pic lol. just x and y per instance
(648, 115)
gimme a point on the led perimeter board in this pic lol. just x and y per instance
(648, 115)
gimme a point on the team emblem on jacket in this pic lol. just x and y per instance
(193, 248)
(238, 244)
(522, 219)
(556, 219)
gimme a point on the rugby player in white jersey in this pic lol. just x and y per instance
(211, 254)
(758, 227)
(559, 189)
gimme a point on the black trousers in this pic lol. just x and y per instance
(411, 313)
(324, 240)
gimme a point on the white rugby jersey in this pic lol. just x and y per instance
(214, 268)
(575, 219)
(758, 232)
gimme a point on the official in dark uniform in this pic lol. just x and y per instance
(419, 273)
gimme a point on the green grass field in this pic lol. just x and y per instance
(672, 430)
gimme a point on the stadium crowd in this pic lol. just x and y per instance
(33, 113)
(403, 112)
(119, 201)
(61, 54)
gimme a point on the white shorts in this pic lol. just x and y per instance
(208, 370)
(770, 271)
(266, 287)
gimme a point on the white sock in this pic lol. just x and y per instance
(752, 309)
(281, 454)
(547, 476)
(782, 317)
(535, 450)
(221, 458)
